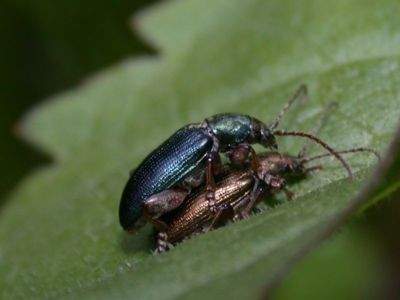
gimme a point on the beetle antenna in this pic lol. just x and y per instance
(300, 93)
(320, 142)
(353, 150)
(329, 107)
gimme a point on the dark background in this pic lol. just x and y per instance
(47, 47)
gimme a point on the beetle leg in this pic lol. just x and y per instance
(289, 194)
(210, 185)
(239, 207)
(254, 197)
(255, 163)
(261, 187)
(163, 202)
(162, 244)
(241, 215)
(157, 223)
(240, 154)
(197, 179)
(224, 213)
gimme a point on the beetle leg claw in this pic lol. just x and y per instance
(162, 244)
(242, 215)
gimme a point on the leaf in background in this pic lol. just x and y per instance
(59, 232)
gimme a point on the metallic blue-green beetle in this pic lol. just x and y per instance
(157, 184)
(163, 180)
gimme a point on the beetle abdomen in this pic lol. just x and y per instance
(179, 156)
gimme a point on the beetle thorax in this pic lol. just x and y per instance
(230, 129)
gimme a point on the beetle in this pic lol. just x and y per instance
(165, 177)
(237, 194)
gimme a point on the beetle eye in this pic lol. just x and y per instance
(267, 138)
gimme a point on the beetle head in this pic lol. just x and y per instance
(263, 135)
(276, 163)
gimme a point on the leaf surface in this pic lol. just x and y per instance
(59, 232)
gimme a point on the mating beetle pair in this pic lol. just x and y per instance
(164, 179)
(237, 194)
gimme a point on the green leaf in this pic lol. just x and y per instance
(59, 232)
(338, 271)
